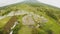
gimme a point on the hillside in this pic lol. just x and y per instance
(32, 16)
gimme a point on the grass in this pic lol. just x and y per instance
(25, 30)
(51, 24)
(4, 21)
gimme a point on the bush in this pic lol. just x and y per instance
(1, 31)
(51, 14)
(18, 26)
(49, 31)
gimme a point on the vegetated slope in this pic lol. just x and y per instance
(52, 14)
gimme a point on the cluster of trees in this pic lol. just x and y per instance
(51, 14)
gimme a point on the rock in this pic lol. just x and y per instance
(27, 20)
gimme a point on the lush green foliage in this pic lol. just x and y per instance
(51, 13)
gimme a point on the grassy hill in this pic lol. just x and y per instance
(40, 13)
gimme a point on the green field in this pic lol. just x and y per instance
(48, 17)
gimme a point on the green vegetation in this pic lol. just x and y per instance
(4, 21)
(52, 14)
